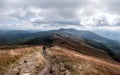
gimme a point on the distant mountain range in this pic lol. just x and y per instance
(114, 35)
(49, 37)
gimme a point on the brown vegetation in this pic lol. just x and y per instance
(68, 62)
(11, 56)
(63, 61)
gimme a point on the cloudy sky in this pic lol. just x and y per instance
(54, 14)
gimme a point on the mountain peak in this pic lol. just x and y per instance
(69, 29)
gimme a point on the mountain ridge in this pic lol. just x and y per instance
(44, 37)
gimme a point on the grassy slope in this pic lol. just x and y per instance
(10, 57)
(73, 63)
(63, 60)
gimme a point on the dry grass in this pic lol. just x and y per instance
(11, 56)
(64, 62)
(75, 63)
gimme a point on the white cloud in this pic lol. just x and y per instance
(51, 14)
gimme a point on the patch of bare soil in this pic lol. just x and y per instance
(47, 67)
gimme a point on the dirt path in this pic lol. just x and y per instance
(46, 70)
(27, 64)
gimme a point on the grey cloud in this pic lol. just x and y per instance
(102, 22)
(65, 8)
(112, 5)
(38, 22)
(56, 22)
(71, 22)
(55, 3)
(56, 12)
(22, 14)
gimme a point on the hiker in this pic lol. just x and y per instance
(44, 49)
